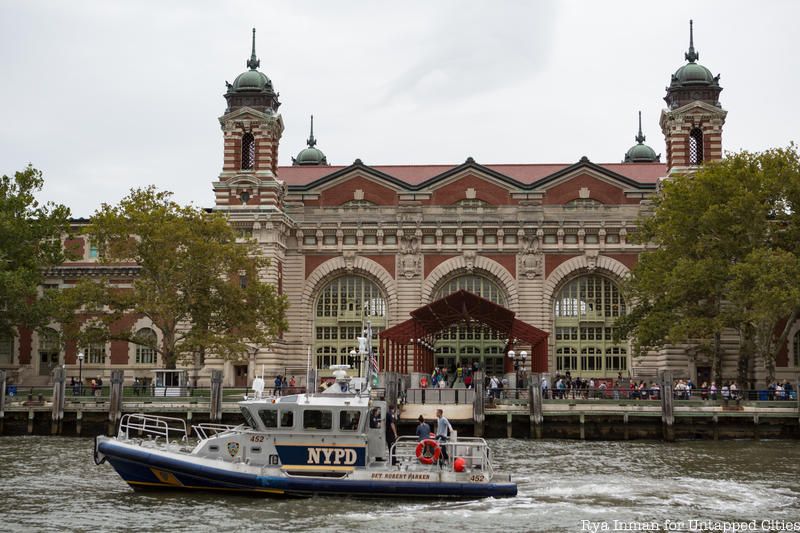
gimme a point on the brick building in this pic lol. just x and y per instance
(357, 242)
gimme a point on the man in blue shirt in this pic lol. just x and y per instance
(443, 428)
(423, 429)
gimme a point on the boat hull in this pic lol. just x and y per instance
(149, 468)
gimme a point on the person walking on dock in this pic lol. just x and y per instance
(423, 429)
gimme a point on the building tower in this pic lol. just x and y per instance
(310, 155)
(640, 152)
(692, 123)
(252, 129)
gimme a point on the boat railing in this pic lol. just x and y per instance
(152, 426)
(207, 429)
(473, 450)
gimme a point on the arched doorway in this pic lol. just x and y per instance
(342, 308)
(470, 342)
(584, 313)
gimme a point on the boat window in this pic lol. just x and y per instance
(269, 417)
(348, 420)
(317, 419)
(248, 417)
(287, 419)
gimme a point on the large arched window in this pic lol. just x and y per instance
(248, 151)
(585, 310)
(6, 350)
(471, 342)
(146, 352)
(343, 307)
(49, 351)
(696, 146)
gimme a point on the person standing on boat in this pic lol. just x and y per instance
(443, 429)
(391, 431)
(423, 429)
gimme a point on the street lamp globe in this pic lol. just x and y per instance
(512, 354)
(523, 354)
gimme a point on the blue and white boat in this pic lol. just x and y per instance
(300, 445)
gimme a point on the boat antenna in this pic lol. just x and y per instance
(369, 358)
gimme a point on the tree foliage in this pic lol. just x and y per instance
(724, 248)
(199, 286)
(30, 243)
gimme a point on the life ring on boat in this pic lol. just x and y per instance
(428, 451)
(423, 382)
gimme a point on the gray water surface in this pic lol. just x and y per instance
(52, 484)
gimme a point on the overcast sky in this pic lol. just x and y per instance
(104, 96)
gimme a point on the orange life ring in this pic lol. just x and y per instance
(428, 458)
(423, 382)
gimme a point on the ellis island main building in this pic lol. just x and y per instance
(546, 245)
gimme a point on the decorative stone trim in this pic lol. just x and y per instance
(583, 264)
(342, 266)
(466, 264)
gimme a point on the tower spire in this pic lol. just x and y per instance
(311, 140)
(253, 63)
(692, 55)
(640, 138)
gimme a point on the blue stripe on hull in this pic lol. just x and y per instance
(134, 466)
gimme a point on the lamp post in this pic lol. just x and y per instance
(523, 355)
(355, 359)
(80, 372)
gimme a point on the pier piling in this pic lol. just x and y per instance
(667, 412)
(59, 384)
(115, 400)
(216, 396)
(535, 405)
(2, 399)
(478, 416)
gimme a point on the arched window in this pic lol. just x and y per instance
(797, 349)
(696, 146)
(471, 342)
(6, 350)
(146, 352)
(248, 151)
(49, 351)
(343, 307)
(585, 310)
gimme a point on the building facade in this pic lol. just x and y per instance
(357, 242)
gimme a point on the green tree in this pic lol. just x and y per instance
(195, 282)
(721, 244)
(30, 244)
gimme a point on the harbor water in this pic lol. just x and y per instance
(52, 484)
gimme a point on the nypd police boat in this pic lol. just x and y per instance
(300, 445)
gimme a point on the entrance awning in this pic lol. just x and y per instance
(462, 306)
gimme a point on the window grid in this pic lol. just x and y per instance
(248, 151)
(6, 350)
(585, 310)
(696, 146)
(341, 310)
(145, 355)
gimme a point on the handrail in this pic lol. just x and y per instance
(208, 429)
(474, 451)
(167, 427)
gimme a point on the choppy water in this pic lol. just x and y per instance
(52, 484)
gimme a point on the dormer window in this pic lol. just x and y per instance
(248, 151)
(244, 197)
(696, 146)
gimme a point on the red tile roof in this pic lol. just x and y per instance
(645, 173)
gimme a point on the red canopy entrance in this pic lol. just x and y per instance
(410, 344)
